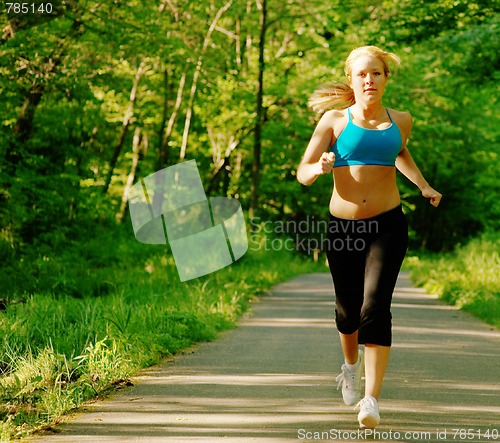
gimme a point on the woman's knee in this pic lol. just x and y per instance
(347, 323)
(376, 326)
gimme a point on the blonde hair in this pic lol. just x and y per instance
(340, 95)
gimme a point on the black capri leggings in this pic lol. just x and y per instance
(365, 257)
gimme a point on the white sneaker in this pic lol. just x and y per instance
(351, 382)
(368, 416)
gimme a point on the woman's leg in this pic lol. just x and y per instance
(376, 359)
(350, 348)
(383, 264)
(347, 267)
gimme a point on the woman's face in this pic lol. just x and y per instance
(368, 79)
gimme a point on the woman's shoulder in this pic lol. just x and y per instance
(335, 114)
(336, 119)
(403, 119)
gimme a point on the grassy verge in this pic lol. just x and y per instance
(469, 277)
(107, 307)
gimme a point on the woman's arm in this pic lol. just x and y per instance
(316, 160)
(406, 165)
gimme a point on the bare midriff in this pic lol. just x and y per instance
(363, 191)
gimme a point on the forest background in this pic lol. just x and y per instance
(110, 92)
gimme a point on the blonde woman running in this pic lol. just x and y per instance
(363, 143)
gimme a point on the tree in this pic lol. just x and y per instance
(259, 109)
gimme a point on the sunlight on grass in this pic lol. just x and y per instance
(469, 277)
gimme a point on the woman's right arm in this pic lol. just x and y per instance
(317, 160)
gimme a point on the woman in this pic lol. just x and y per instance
(363, 143)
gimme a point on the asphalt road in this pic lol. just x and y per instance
(272, 379)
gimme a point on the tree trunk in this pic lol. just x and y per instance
(232, 144)
(238, 44)
(162, 155)
(24, 124)
(164, 149)
(131, 177)
(220, 162)
(23, 127)
(196, 75)
(126, 122)
(254, 184)
(247, 47)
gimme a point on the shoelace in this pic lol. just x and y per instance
(345, 376)
(370, 404)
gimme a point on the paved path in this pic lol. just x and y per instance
(273, 379)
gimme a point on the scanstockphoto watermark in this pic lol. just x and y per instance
(311, 234)
(453, 434)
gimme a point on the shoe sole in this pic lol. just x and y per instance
(369, 422)
(352, 403)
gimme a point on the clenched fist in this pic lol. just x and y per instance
(325, 163)
(433, 196)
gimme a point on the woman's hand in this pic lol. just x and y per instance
(325, 163)
(432, 194)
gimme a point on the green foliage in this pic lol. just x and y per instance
(413, 21)
(452, 97)
(468, 277)
(83, 67)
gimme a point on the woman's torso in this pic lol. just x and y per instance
(364, 190)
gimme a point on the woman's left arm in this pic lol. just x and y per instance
(406, 165)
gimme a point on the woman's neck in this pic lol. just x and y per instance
(368, 112)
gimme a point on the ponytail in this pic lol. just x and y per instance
(331, 96)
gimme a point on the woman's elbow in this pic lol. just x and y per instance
(302, 176)
(301, 179)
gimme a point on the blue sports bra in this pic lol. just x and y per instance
(361, 146)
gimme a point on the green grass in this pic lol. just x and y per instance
(469, 277)
(106, 307)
